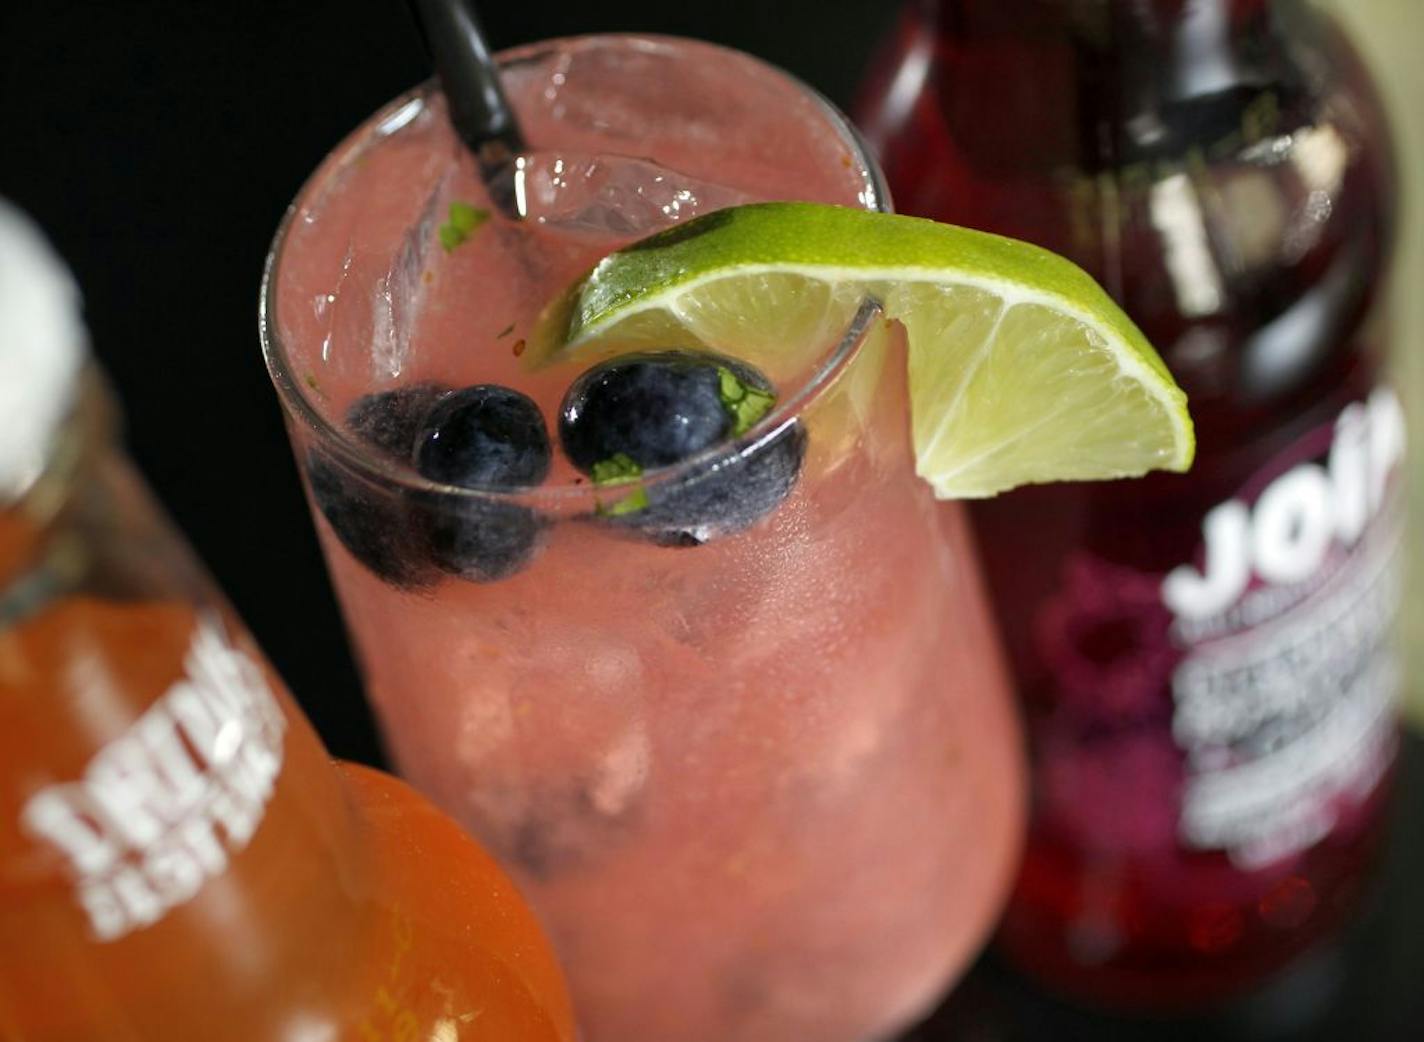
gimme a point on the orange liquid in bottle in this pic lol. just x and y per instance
(179, 859)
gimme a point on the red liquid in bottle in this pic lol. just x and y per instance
(1204, 658)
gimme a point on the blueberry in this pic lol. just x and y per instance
(484, 438)
(375, 523)
(656, 409)
(640, 412)
(390, 420)
(723, 497)
(482, 540)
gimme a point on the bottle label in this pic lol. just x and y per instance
(1284, 695)
(160, 809)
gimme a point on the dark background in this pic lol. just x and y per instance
(159, 142)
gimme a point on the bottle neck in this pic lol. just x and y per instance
(1194, 46)
(1101, 84)
(997, 15)
(29, 524)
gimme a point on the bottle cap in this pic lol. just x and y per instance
(42, 347)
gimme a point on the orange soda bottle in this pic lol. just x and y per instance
(179, 858)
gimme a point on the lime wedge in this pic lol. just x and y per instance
(1022, 369)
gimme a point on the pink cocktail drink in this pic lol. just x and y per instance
(759, 773)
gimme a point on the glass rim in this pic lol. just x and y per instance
(386, 472)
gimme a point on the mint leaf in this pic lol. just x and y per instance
(745, 405)
(463, 220)
(618, 469)
(747, 412)
(729, 388)
(466, 217)
(629, 504)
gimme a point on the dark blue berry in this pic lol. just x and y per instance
(656, 409)
(482, 438)
(375, 522)
(482, 540)
(722, 497)
(390, 420)
(638, 413)
(485, 436)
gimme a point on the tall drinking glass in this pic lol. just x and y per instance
(759, 773)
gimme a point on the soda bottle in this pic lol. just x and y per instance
(179, 859)
(1204, 659)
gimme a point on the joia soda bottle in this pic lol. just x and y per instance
(1205, 659)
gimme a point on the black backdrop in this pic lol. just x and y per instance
(158, 142)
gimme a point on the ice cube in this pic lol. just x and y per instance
(603, 194)
(642, 87)
(398, 293)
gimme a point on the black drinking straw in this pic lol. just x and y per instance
(479, 110)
